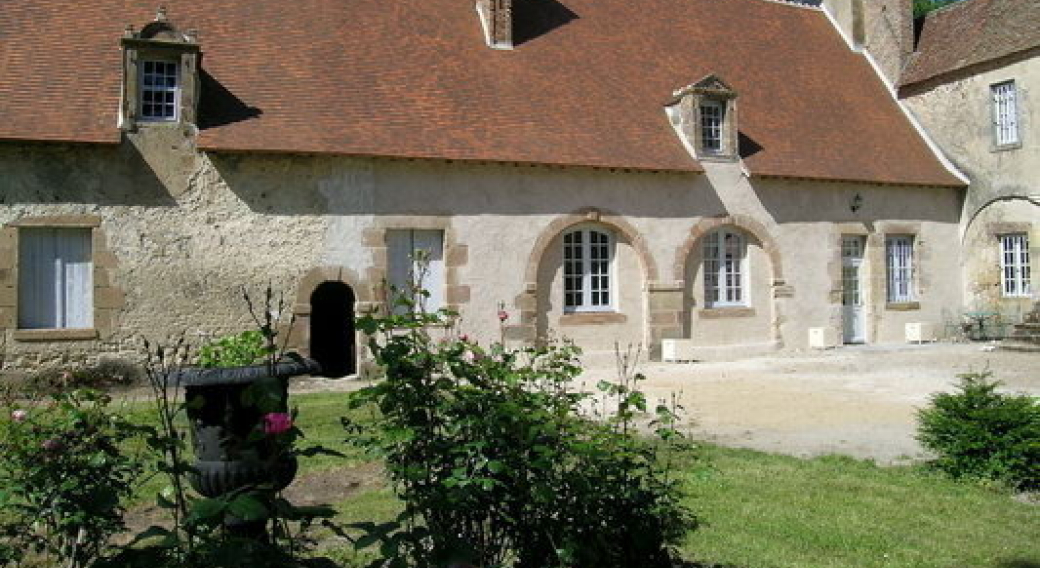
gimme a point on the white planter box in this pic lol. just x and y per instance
(823, 338)
(919, 332)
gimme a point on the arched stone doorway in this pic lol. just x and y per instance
(333, 341)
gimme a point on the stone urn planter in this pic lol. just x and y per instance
(221, 420)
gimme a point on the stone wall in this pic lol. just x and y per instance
(180, 233)
(1004, 195)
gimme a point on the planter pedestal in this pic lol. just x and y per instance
(221, 423)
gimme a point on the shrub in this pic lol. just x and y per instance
(246, 348)
(980, 433)
(64, 477)
(496, 464)
(103, 375)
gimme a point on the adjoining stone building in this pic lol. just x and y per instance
(730, 174)
(974, 83)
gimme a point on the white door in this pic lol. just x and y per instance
(852, 289)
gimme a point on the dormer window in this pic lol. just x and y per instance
(705, 116)
(712, 113)
(160, 75)
(160, 90)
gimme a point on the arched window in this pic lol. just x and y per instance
(588, 276)
(725, 269)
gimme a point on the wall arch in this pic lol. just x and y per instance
(718, 318)
(300, 333)
(316, 276)
(532, 322)
(587, 215)
(743, 222)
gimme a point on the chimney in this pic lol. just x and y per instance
(496, 17)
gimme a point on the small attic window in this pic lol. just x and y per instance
(705, 115)
(160, 90)
(160, 75)
(712, 118)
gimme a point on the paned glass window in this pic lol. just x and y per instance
(1005, 113)
(725, 269)
(899, 262)
(55, 279)
(712, 113)
(160, 90)
(588, 255)
(1014, 264)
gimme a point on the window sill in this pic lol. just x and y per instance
(1005, 147)
(903, 306)
(55, 334)
(592, 318)
(727, 312)
(716, 157)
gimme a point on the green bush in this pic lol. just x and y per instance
(497, 464)
(980, 433)
(64, 477)
(237, 350)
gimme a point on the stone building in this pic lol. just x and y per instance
(974, 83)
(725, 175)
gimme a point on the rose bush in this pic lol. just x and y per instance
(64, 477)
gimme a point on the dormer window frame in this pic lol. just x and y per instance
(159, 41)
(707, 119)
(712, 119)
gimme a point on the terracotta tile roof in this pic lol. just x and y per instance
(585, 86)
(970, 32)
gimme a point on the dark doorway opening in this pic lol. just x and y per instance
(332, 329)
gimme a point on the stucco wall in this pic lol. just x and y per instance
(186, 230)
(1005, 183)
(882, 27)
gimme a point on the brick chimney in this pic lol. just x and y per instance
(496, 17)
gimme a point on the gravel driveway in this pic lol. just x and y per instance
(856, 400)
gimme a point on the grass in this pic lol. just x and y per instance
(763, 511)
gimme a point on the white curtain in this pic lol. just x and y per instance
(55, 283)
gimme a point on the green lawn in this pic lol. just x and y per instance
(762, 510)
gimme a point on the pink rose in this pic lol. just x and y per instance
(19, 415)
(277, 422)
(502, 315)
(464, 338)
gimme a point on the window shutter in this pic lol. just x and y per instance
(399, 266)
(432, 243)
(36, 279)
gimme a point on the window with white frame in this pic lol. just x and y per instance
(160, 90)
(1014, 264)
(899, 262)
(55, 279)
(712, 116)
(588, 259)
(1005, 113)
(415, 259)
(725, 269)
